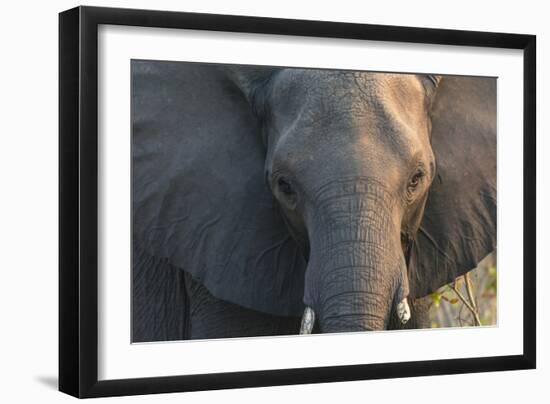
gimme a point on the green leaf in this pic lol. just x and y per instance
(436, 298)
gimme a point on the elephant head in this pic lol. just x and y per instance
(339, 193)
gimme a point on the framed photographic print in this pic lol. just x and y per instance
(251, 201)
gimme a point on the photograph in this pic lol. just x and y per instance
(272, 200)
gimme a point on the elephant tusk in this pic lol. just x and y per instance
(403, 311)
(308, 320)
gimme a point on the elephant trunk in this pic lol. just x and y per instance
(356, 274)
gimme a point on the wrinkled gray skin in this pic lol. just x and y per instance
(352, 195)
(276, 189)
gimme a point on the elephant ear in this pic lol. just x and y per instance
(199, 196)
(459, 225)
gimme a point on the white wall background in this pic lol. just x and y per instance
(28, 207)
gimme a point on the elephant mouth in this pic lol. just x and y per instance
(308, 318)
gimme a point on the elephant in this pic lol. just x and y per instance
(279, 201)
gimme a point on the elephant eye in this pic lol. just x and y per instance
(415, 180)
(285, 187)
(287, 193)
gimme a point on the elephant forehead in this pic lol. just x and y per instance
(351, 92)
(323, 101)
(350, 113)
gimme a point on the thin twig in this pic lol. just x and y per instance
(468, 284)
(459, 318)
(466, 303)
(471, 296)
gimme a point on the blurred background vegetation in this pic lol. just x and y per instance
(470, 301)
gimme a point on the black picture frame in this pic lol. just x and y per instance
(78, 200)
